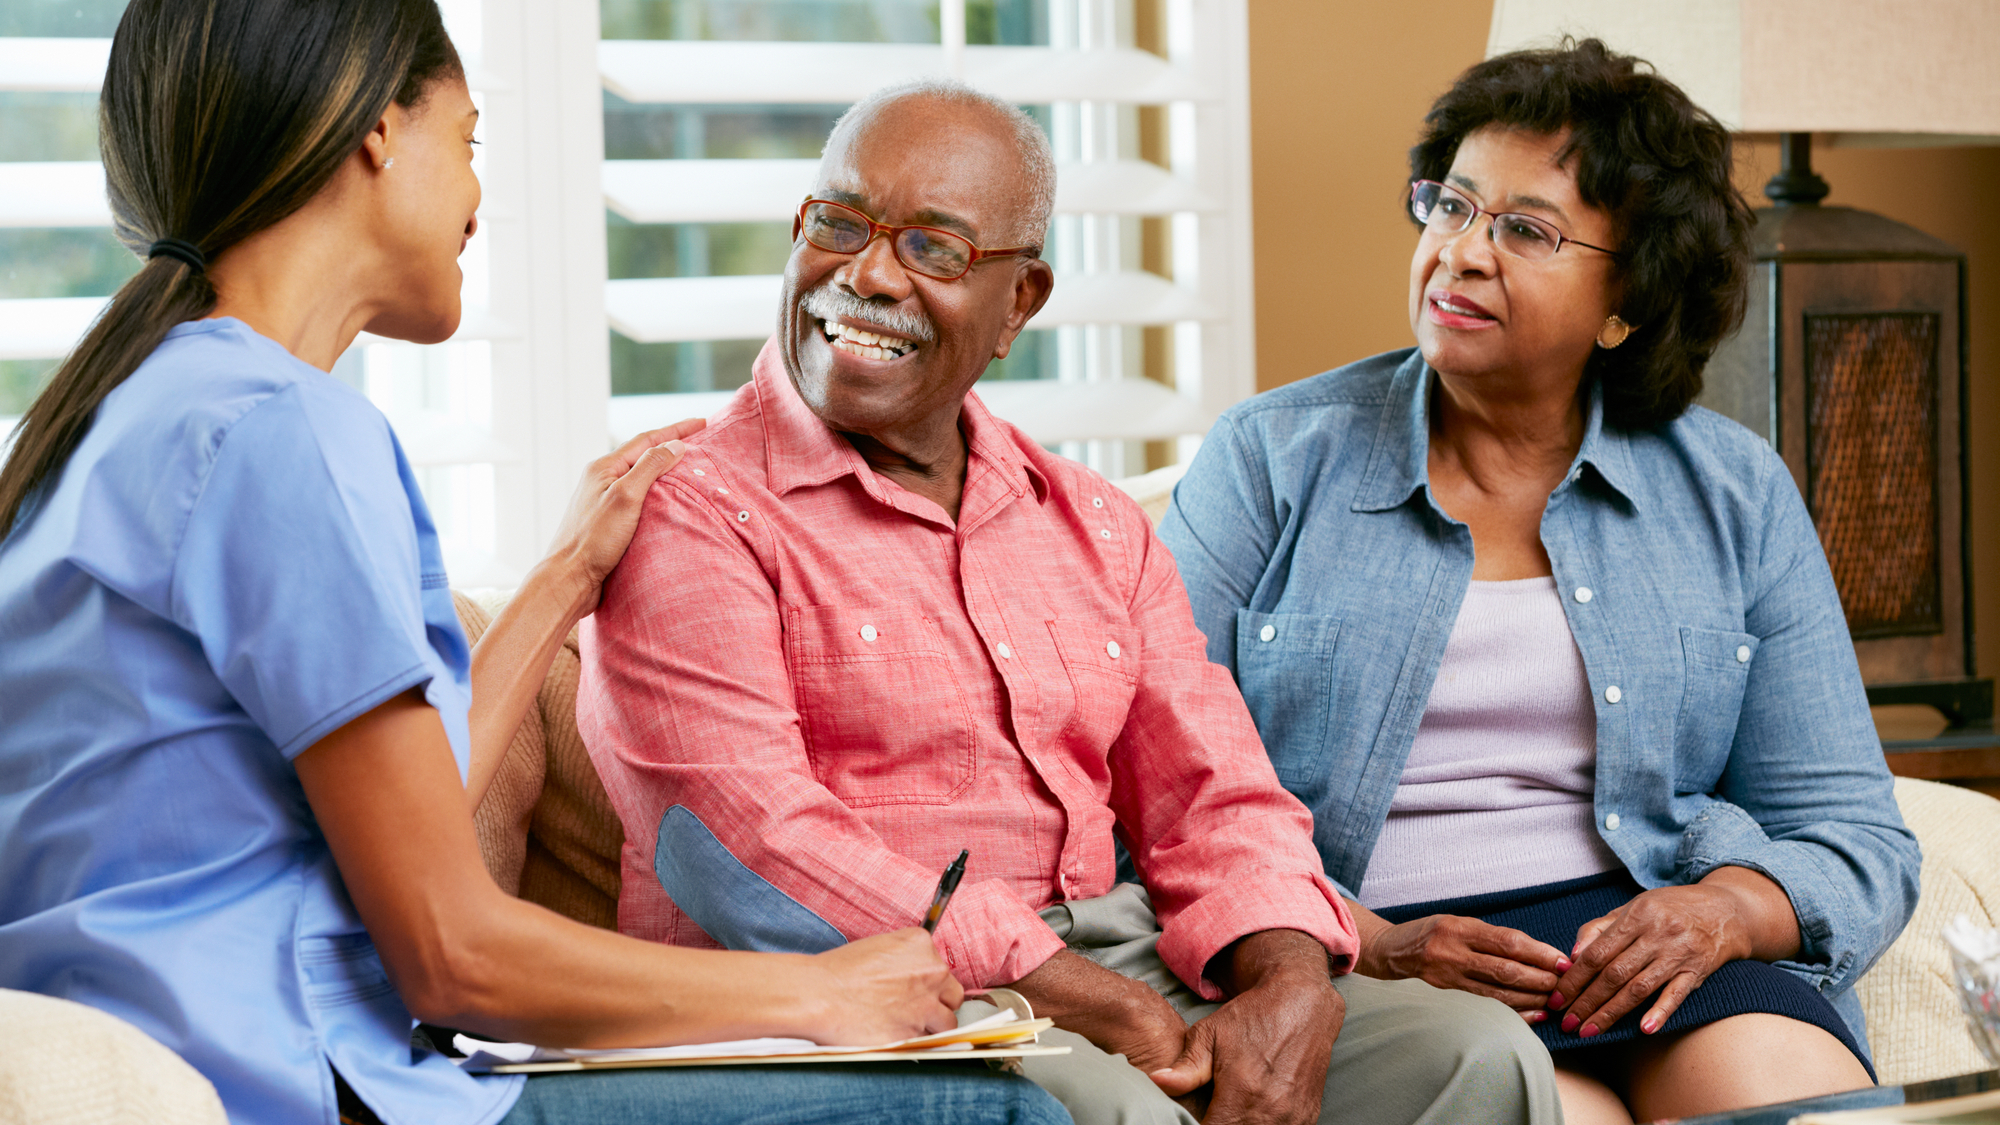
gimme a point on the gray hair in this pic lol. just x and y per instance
(1038, 159)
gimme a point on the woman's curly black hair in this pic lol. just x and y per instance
(1660, 166)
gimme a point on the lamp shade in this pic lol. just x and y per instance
(1873, 71)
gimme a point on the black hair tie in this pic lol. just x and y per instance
(185, 252)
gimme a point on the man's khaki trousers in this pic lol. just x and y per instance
(1406, 1053)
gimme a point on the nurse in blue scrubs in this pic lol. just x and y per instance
(238, 742)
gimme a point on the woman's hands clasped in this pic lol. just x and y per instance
(1447, 951)
(604, 511)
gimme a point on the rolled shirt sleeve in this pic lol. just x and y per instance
(1225, 851)
(1806, 798)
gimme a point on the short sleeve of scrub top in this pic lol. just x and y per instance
(234, 562)
(295, 571)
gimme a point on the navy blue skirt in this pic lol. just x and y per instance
(1554, 912)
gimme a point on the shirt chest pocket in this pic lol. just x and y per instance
(1716, 665)
(883, 719)
(1284, 667)
(1101, 660)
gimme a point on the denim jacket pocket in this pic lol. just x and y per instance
(1284, 667)
(883, 721)
(1716, 666)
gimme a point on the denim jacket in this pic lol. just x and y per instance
(1732, 727)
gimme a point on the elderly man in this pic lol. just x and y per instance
(865, 624)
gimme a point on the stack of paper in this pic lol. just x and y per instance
(1002, 1035)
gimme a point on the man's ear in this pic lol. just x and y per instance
(1033, 282)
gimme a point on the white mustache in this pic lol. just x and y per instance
(830, 303)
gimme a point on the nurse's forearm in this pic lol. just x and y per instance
(513, 657)
(461, 952)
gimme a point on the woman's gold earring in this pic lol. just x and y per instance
(1613, 333)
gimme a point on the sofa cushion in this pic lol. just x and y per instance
(1915, 1027)
(546, 828)
(64, 1063)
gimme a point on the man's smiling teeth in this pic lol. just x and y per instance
(1460, 310)
(868, 345)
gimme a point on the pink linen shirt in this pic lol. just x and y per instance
(846, 687)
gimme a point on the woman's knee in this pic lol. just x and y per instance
(1751, 1059)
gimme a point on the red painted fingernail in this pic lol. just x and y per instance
(1555, 1001)
(1570, 1022)
(1589, 1030)
(1537, 1017)
(1649, 1025)
(1563, 964)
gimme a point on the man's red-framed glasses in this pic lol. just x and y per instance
(840, 229)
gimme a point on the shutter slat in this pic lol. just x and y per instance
(48, 327)
(69, 66)
(737, 191)
(763, 73)
(53, 194)
(667, 309)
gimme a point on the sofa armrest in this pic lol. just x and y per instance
(1915, 1027)
(64, 1063)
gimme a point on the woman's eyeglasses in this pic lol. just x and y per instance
(1444, 209)
(936, 253)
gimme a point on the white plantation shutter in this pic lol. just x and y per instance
(502, 418)
(1089, 76)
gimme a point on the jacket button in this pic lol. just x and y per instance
(1742, 654)
(1612, 694)
(1611, 822)
(1583, 594)
(1267, 633)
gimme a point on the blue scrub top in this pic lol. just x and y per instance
(235, 562)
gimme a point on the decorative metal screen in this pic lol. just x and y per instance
(1871, 390)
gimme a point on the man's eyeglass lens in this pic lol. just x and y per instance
(1445, 210)
(928, 251)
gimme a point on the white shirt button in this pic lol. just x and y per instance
(743, 517)
(1612, 694)
(1106, 533)
(1742, 654)
(868, 633)
(699, 473)
(722, 492)
(1583, 594)
(1005, 652)
(1611, 822)
(1097, 501)
(1111, 649)
(1267, 633)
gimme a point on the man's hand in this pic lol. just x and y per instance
(1120, 1015)
(1267, 1049)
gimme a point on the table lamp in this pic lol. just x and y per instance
(1852, 357)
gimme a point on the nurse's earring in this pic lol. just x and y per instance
(1613, 333)
(391, 163)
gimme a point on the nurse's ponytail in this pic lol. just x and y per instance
(218, 119)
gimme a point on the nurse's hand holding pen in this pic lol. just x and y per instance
(513, 657)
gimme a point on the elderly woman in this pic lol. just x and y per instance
(1554, 657)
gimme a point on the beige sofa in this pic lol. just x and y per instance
(549, 835)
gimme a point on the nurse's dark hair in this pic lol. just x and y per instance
(1660, 166)
(218, 119)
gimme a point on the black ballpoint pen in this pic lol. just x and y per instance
(946, 885)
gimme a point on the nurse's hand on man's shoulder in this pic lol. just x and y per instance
(604, 510)
(882, 989)
(1447, 951)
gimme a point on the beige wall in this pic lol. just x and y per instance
(1337, 91)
